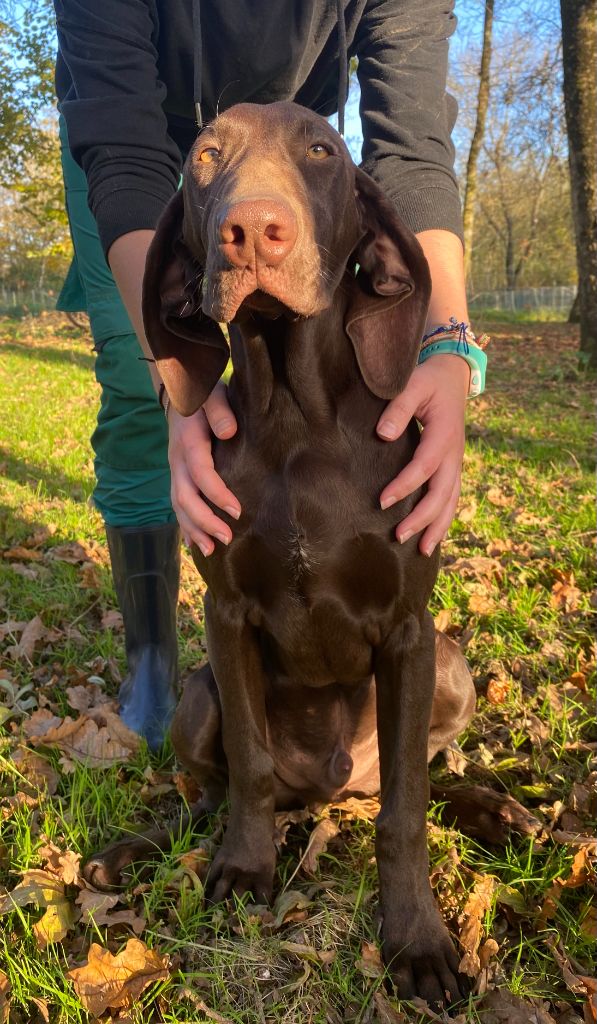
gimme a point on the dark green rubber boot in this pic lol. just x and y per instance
(146, 571)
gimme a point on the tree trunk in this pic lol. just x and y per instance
(470, 192)
(579, 39)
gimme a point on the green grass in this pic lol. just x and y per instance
(526, 503)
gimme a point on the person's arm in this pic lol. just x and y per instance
(436, 395)
(191, 463)
(117, 128)
(407, 120)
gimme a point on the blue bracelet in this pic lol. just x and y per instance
(475, 357)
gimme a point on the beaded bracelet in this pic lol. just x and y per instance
(457, 338)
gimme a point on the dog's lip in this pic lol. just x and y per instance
(262, 302)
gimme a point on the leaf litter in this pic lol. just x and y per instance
(530, 734)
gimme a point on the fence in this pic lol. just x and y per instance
(31, 300)
(558, 298)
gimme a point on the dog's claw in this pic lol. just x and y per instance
(422, 962)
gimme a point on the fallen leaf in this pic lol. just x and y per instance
(73, 553)
(579, 984)
(38, 772)
(287, 904)
(442, 619)
(31, 635)
(498, 690)
(354, 809)
(565, 595)
(21, 554)
(284, 819)
(477, 567)
(500, 1006)
(385, 1012)
(109, 982)
(487, 950)
(112, 619)
(370, 962)
(471, 923)
(186, 786)
(43, 889)
(64, 864)
(481, 604)
(456, 760)
(24, 570)
(322, 834)
(99, 738)
(498, 498)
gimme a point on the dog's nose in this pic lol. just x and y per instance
(258, 231)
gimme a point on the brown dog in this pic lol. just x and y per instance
(321, 647)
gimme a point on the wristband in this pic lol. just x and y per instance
(474, 356)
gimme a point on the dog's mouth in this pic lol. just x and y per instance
(266, 304)
(293, 288)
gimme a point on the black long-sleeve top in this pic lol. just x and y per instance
(124, 81)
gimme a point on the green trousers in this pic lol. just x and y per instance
(130, 441)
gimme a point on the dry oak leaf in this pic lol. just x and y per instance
(97, 908)
(20, 554)
(38, 772)
(500, 1006)
(31, 635)
(112, 619)
(322, 834)
(44, 890)
(99, 738)
(471, 920)
(370, 962)
(565, 595)
(74, 553)
(481, 604)
(479, 567)
(63, 864)
(109, 982)
(443, 619)
(498, 690)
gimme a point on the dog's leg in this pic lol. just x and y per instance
(454, 695)
(415, 942)
(200, 750)
(476, 810)
(246, 860)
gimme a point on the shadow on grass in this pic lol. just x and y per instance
(53, 482)
(43, 354)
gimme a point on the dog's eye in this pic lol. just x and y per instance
(318, 151)
(207, 156)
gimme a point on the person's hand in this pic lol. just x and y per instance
(435, 395)
(193, 473)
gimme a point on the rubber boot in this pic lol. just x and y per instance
(146, 571)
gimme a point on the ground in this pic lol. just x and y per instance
(516, 592)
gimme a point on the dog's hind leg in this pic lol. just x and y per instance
(453, 697)
(196, 734)
(476, 810)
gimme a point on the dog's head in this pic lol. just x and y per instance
(271, 217)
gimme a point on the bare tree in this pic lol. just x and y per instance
(579, 39)
(470, 192)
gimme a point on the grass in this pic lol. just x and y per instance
(523, 620)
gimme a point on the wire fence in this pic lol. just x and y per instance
(20, 301)
(557, 298)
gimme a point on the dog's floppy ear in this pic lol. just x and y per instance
(388, 306)
(190, 349)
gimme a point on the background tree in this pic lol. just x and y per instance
(470, 188)
(579, 52)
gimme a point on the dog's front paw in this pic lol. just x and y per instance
(421, 959)
(238, 869)
(104, 870)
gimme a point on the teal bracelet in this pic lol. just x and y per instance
(475, 357)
